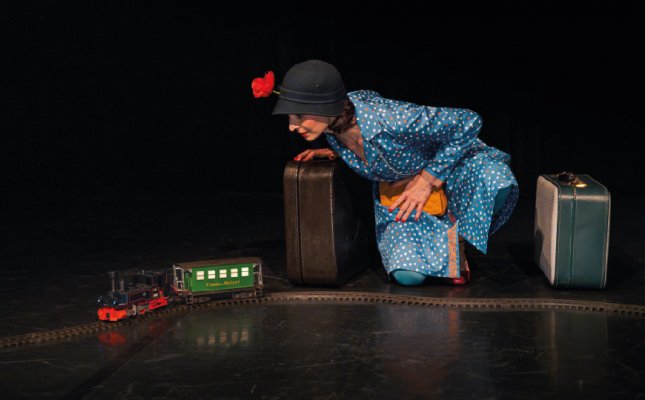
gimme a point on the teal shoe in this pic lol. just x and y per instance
(408, 278)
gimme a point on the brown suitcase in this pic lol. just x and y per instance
(329, 222)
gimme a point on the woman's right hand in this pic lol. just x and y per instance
(311, 153)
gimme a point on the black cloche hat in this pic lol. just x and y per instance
(311, 87)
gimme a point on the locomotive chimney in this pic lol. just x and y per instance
(122, 285)
(113, 277)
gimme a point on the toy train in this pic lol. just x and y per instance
(139, 292)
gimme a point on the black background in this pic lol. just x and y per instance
(104, 97)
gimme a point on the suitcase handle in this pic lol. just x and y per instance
(571, 179)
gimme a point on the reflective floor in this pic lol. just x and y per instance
(343, 351)
(57, 253)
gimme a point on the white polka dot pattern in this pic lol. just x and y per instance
(400, 139)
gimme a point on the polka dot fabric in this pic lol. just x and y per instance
(401, 139)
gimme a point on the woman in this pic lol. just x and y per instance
(419, 150)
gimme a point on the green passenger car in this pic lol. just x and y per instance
(237, 277)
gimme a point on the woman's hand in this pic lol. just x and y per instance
(311, 153)
(414, 196)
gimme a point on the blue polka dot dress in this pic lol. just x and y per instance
(400, 139)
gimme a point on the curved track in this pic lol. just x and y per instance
(478, 304)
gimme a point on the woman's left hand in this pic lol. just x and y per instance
(414, 197)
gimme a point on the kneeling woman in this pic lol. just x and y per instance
(435, 184)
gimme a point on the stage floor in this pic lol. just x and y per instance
(57, 251)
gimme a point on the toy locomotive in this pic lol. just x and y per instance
(139, 292)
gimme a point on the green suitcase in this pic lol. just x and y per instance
(571, 230)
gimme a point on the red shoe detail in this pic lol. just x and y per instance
(462, 280)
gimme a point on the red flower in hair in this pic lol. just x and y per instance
(263, 87)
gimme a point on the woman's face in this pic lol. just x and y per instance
(308, 126)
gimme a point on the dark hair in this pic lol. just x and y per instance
(346, 118)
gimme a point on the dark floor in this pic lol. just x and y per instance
(56, 252)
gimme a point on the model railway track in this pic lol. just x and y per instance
(478, 304)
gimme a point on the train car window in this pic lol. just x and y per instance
(245, 271)
(200, 275)
(211, 275)
(222, 273)
(234, 273)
